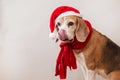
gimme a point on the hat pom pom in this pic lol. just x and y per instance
(52, 36)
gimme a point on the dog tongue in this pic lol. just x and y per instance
(62, 35)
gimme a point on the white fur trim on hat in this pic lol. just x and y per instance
(68, 13)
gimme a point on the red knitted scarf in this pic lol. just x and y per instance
(66, 56)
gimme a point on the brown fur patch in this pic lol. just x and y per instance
(111, 56)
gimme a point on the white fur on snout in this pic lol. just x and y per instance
(69, 30)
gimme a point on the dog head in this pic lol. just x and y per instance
(68, 27)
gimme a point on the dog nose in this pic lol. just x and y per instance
(62, 34)
(62, 31)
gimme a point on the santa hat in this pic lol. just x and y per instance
(60, 12)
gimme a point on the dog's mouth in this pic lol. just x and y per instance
(63, 36)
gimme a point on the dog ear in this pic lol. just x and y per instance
(82, 30)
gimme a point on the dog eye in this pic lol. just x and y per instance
(58, 24)
(70, 24)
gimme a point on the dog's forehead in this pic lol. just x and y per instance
(67, 18)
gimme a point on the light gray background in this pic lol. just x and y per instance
(26, 52)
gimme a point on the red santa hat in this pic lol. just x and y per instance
(60, 12)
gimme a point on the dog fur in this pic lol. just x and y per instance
(101, 55)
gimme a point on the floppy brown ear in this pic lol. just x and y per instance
(82, 30)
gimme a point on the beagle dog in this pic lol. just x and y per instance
(100, 56)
